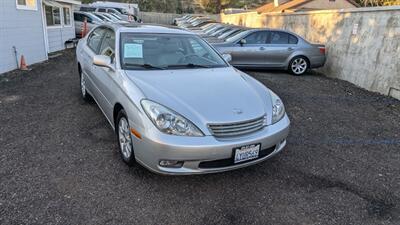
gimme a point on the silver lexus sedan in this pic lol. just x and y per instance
(176, 105)
(273, 49)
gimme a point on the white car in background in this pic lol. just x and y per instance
(92, 21)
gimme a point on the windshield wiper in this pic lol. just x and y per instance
(189, 65)
(146, 66)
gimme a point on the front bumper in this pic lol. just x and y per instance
(197, 151)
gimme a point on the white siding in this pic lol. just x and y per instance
(58, 37)
(22, 29)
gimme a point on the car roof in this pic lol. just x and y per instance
(274, 29)
(149, 28)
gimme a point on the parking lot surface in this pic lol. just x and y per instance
(59, 162)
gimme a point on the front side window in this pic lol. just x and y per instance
(94, 39)
(27, 4)
(259, 37)
(67, 16)
(52, 16)
(166, 51)
(107, 47)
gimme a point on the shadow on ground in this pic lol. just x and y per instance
(59, 162)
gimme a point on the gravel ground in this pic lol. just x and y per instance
(59, 162)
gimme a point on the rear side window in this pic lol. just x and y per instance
(94, 39)
(293, 39)
(279, 37)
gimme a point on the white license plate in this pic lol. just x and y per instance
(246, 153)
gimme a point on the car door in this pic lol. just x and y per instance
(104, 77)
(252, 52)
(280, 46)
(88, 51)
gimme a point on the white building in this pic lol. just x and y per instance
(33, 28)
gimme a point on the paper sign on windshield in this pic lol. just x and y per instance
(133, 50)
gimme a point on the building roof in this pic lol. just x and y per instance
(150, 28)
(270, 7)
(74, 2)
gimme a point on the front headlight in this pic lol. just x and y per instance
(278, 109)
(168, 121)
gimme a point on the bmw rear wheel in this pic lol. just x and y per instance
(298, 65)
(125, 142)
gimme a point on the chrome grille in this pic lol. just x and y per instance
(238, 128)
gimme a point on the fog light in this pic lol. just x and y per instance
(171, 163)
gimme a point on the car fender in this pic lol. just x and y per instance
(129, 96)
(294, 54)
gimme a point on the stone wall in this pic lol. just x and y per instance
(363, 44)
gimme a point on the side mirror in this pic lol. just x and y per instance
(242, 42)
(227, 57)
(102, 61)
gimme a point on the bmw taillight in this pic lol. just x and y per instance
(322, 50)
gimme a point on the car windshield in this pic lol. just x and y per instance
(123, 11)
(228, 35)
(102, 17)
(116, 16)
(167, 51)
(96, 18)
(235, 37)
(112, 19)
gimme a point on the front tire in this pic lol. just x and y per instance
(298, 65)
(85, 95)
(125, 142)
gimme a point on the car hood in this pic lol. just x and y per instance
(218, 95)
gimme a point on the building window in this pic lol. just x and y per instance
(67, 16)
(52, 16)
(27, 4)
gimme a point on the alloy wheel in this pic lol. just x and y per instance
(83, 86)
(125, 140)
(299, 66)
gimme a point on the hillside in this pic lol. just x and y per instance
(190, 6)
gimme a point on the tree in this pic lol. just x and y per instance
(215, 6)
(372, 3)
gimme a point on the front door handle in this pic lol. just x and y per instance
(262, 48)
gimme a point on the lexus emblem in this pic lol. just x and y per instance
(237, 111)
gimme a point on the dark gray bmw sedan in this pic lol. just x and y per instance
(275, 49)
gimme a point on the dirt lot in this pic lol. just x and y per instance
(59, 162)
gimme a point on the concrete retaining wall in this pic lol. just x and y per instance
(363, 44)
(165, 18)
